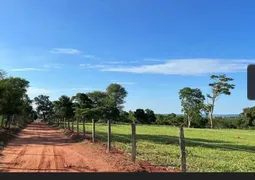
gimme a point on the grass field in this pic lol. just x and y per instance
(207, 150)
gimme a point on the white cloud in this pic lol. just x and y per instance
(27, 69)
(34, 91)
(89, 56)
(122, 62)
(122, 82)
(54, 66)
(93, 66)
(154, 60)
(65, 51)
(187, 67)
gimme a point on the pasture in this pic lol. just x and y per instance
(217, 150)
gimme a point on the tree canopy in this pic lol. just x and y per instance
(192, 102)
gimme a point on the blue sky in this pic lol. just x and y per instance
(153, 48)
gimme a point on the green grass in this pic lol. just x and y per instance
(207, 150)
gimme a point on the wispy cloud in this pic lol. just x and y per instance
(27, 69)
(123, 82)
(89, 56)
(121, 62)
(53, 65)
(65, 51)
(93, 66)
(186, 67)
(154, 60)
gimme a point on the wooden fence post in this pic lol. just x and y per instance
(182, 149)
(83, 127)
(93, 130)
(133, 127)
(77, 123)
(109, 136)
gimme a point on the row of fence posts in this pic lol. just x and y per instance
(133, 139)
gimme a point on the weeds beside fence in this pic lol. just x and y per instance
(205, 150)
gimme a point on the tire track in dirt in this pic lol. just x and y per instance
(40, 165)
(16, 160)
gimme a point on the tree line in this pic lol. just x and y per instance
(15, 105)
(106, 105)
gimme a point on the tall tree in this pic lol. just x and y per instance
(44, 105)
(64, 107)
(151, 118)
(13, 90)
(82, 100)
(249, 114)
(97, 98)
(191, 101)
(220, 85)
(117, 94)
(141, 116)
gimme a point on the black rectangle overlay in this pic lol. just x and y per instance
(251, 82)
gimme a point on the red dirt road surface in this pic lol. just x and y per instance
(41, 148)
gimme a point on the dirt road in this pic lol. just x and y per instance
(40, 148)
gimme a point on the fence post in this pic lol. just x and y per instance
(77, 123)
(109, 136)
(133, 127)
(182, 149)
(93, 130)
(83, 127)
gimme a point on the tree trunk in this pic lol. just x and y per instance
(72, 124)
(2, 122)
(68, 123)
(7, 120)
(211, 119)
(77, 123)
(189, 120)
(83, 127)
(211, 113)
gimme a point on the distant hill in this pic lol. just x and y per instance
(218, 115)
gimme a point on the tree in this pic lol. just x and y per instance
(219, 86)
(249, 114)
(26, 108)
(151, 118)
(192, 102)
(44, 105)
(124, 117)
(13, 90)
(2, 74)
(64, 107)
(141, 116)
(97, 98)
(82, 100)
(117, 94)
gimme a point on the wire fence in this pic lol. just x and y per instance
(167, 150)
